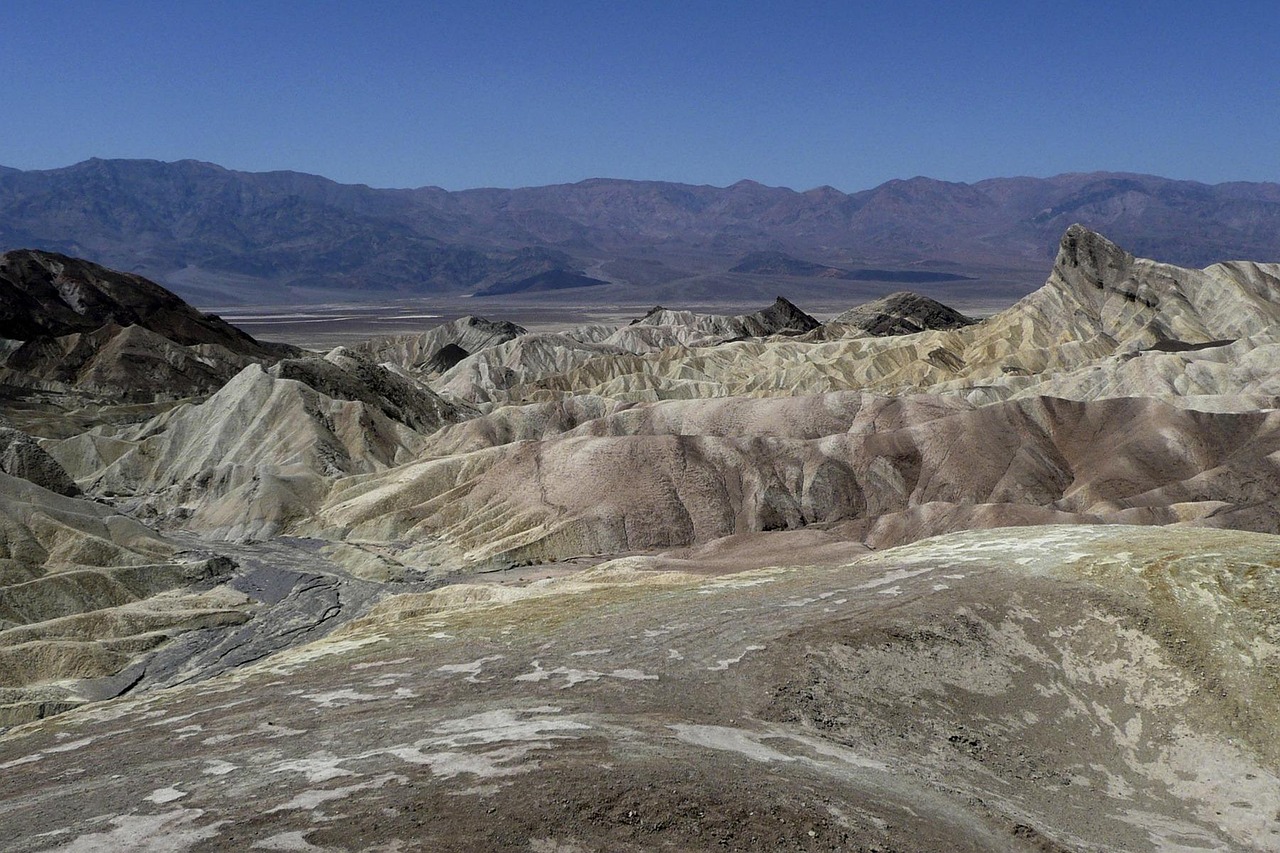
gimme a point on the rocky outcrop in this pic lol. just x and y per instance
(416, 352)
(129, 363)
(21, 456)
(47, 295)
(500, 373)
(902, 313)
(347, 375)
(83, 591)
(780, 318)
(90, 329)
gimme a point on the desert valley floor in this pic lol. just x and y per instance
(897, 581)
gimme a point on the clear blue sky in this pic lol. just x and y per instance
(466, 94)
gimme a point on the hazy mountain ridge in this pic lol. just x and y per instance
(196, 225)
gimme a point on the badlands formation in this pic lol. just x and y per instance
(899, 581)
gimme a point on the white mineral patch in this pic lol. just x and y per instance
(164, 795)
(371, 664)
(571, 676)
(72, 746)
(477, 791)
(219, 768)
(724, 663)
(488, 764)
(157, 833)
(471, 670)
(26, 759)
(267, 729)
(743, 580)
(728, 739)
(312, 800)
(838, 752)
(320, 768)
(291, 661)
(289, 841)
(632, 675)
(586, 653)
(751, 744)
(893, 577)
(514, 734)
(505, 725)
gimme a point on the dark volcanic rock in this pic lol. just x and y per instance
(346, 375)
(132, 362)
(780, 317)
(92, 329)
(902, 313)
(43, 294)
(445, 358)
(21, 456)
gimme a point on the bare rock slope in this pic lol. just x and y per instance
(88, 328)
(1041, 689)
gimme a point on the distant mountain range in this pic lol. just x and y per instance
(214, 234)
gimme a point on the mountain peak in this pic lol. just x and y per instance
(1084, 252)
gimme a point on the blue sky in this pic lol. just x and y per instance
(466, 94)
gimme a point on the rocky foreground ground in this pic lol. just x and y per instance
(897, 581)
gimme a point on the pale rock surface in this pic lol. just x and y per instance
(251, 458)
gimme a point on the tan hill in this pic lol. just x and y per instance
(488, 376)
(259, 453)
(638, 480)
